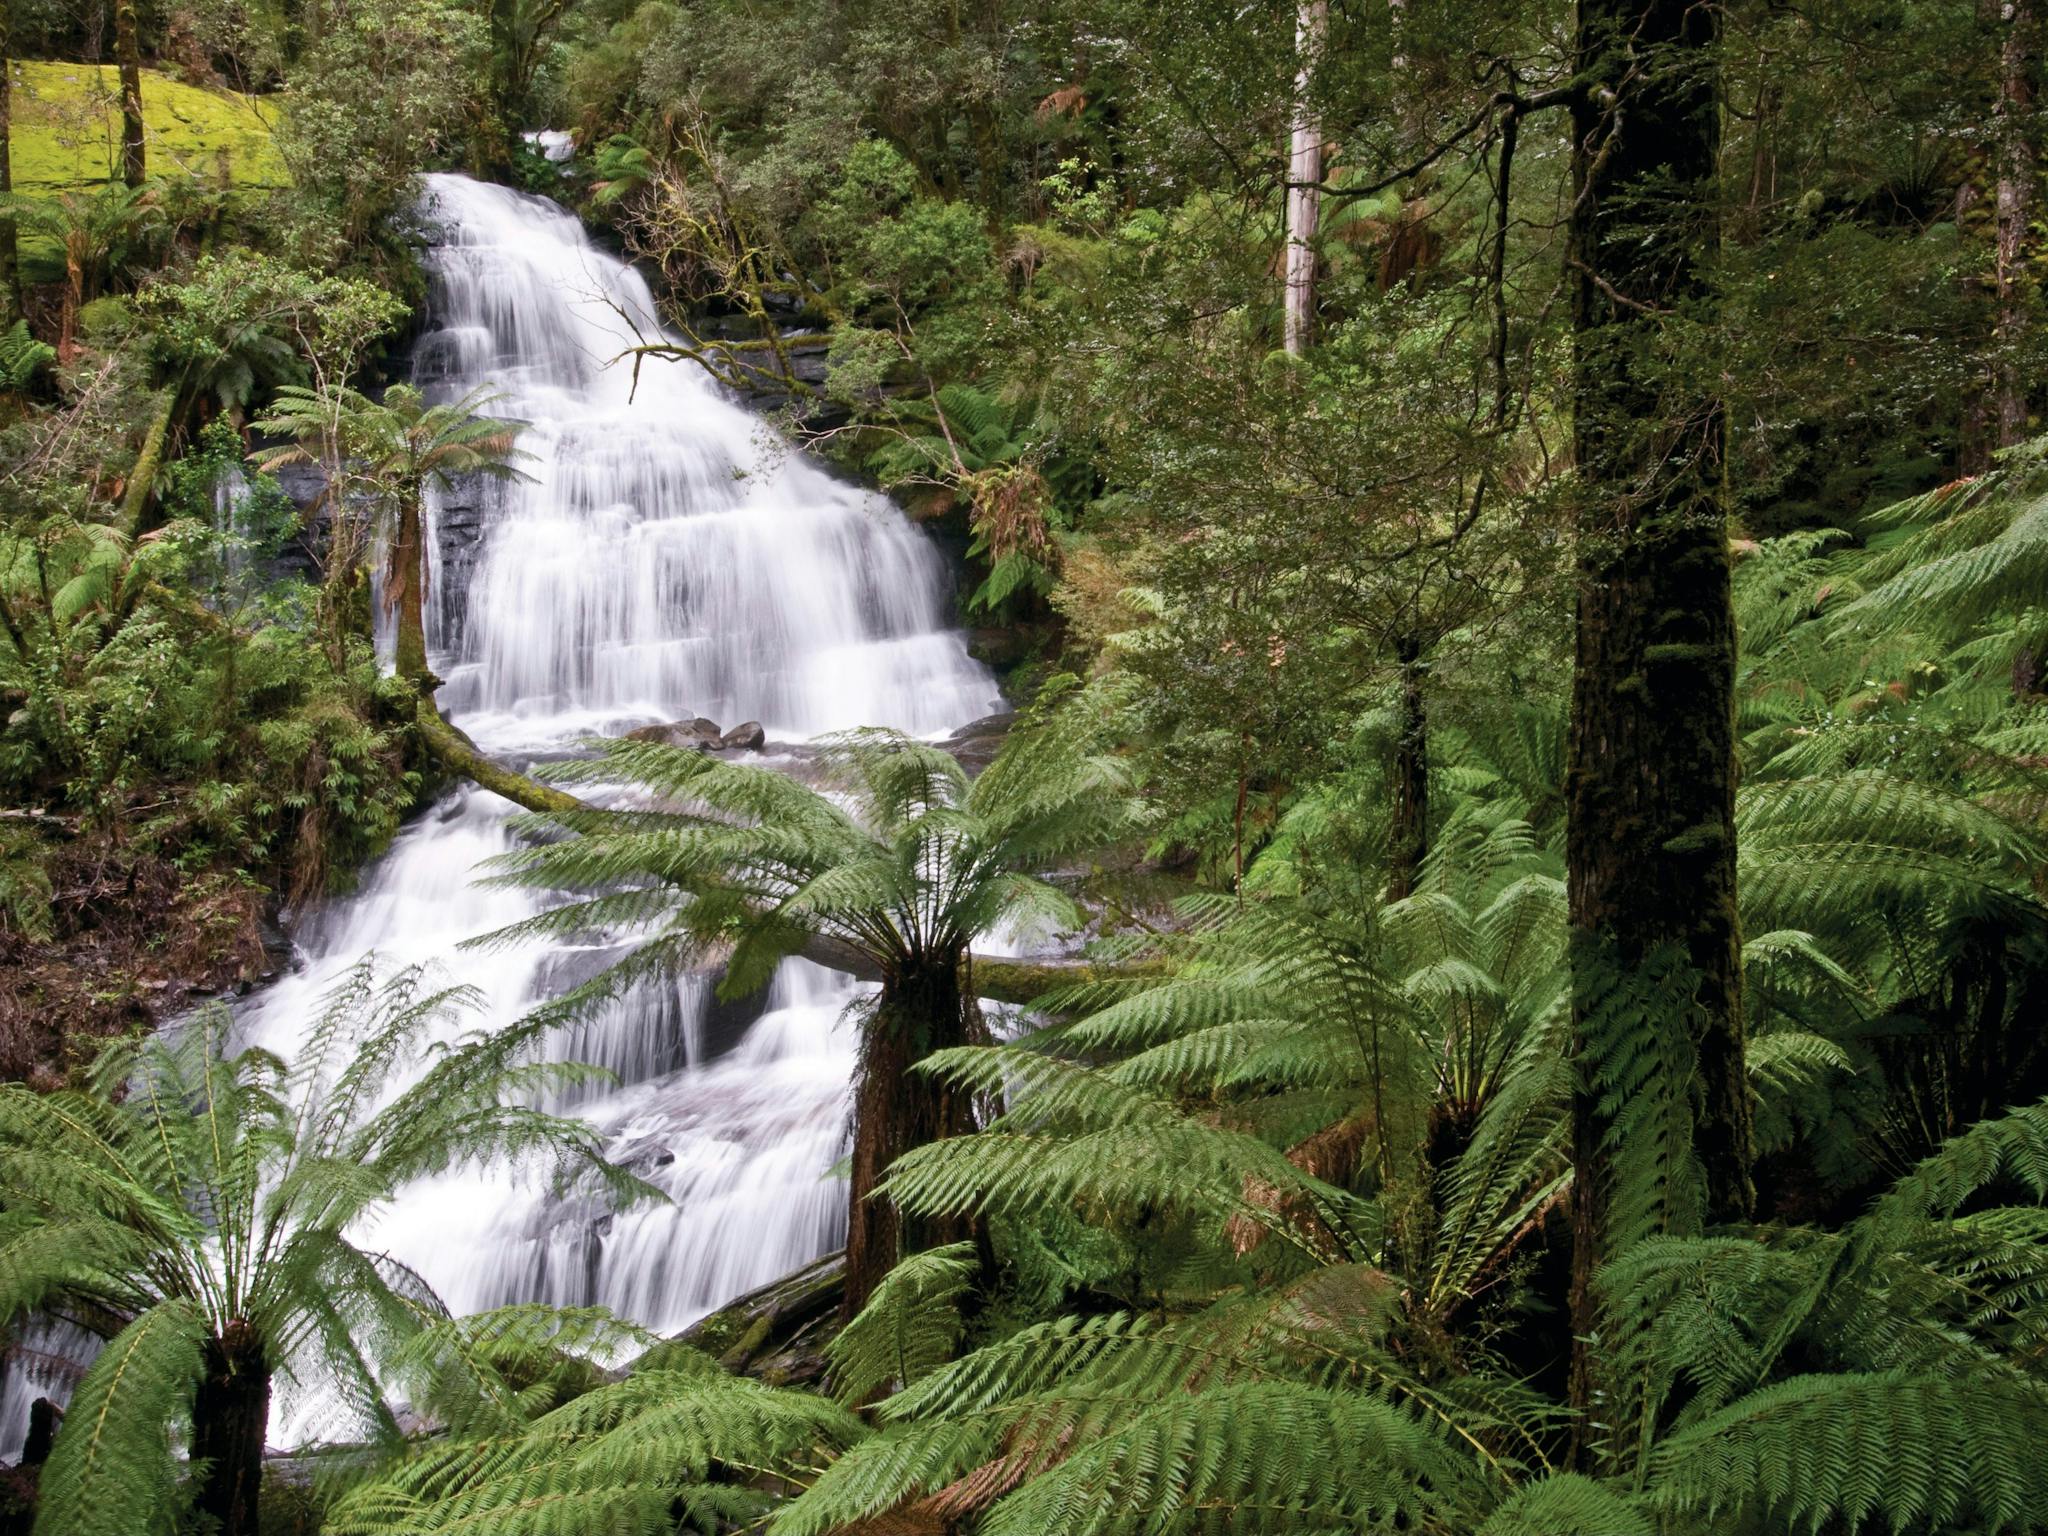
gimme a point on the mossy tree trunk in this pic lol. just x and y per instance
(1651, 775)
(128, 55)
(921, 1009)
(405, 577)
(149, 461)
(230, 1412)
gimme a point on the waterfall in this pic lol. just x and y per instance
(665, 557)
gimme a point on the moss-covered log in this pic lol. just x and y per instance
(148, 462)
(776, 1333)
(458, 754)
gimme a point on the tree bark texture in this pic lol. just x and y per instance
(10, 271)
(128, 55)
(2017, 172)
(1650, 782)
(921, 1009)
(1408, 841)
(1304, 170)
(229, 1414)
(405, 579)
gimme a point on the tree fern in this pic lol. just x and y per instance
(197, 1206)
(897, 855)
(1568, 1504)
(1887, 1448)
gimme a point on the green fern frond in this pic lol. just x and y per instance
(1567, 1504)
(111, 1471)
(909, 1327)
(1896, 1448)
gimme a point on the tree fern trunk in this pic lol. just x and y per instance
(1650, 782)
(128, 54)
(1409, 840)
(921, 1009)
(229, 1414)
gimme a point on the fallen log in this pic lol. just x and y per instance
(776, 1334)
(458, 754)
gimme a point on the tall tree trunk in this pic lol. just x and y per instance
(229, 1414)
(10, 270)
(1304, 171)
(406, 581)
(921, 1009)
(2017, 172)
(1651, 776)
(128, 54)
(1408, 843)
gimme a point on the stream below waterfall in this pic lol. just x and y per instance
(666, 557)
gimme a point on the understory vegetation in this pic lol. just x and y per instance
(1516, 535)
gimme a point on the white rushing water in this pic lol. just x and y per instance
(663, 561)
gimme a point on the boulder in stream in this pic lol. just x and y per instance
(745, 738)
(702, 734)
(976, 743)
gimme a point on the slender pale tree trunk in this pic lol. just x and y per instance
(1304, 171)
(128, 55)
(10, 271)
(2017, 171)
(921, 1009)
(1651, 774)
(230, 1412)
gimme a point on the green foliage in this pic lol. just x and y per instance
(22, 357)
(254, 746)
(673, 1447)
(242, 320)
(909, 1327)
(188, 1198)
(620, 168)
(94, 233)
(897, 854)
(375, 97)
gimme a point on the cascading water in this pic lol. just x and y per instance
(665, 558)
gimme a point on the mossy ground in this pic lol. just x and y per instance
(66, 129)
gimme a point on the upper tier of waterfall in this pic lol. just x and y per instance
(668, 555)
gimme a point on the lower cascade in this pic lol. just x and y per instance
(665, 556)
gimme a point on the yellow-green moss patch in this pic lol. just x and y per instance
(66, 129)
